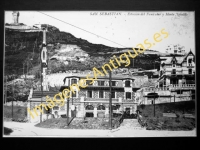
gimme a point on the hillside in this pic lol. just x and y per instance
(65, 52)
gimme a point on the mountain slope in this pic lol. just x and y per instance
(65, 52)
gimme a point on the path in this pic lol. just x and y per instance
(131, 124)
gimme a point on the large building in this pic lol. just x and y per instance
(177, 70)
(92, 101)
(176, 81)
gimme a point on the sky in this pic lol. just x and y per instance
(124, 28)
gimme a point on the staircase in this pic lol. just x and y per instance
(131, 124)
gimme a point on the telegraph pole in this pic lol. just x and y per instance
(43, 66)
(6, 93)
(72, 106)
(110, 101)
(67, 111)
(68, 108)
(174, 104)
(13, 96)
(154, 105)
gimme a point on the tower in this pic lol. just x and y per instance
(15, 17)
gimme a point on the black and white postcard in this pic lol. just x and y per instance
(99, 74)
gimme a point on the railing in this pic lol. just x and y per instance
(171, 86)
(182, 86)
(156, 89)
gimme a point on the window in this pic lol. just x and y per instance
(88, 82)
(101, 83)
(89, 107)
(74, 94)
(101, 107)
(113, 83)
(74, 81)
(112, 94)
(127, 83)
(101, 94)
(189, 71)
(173, 71)
(175, 47)
(55, 108)
(179, 92)
(190, 62)
(48, 111)
(174, 64)
(89, 94)
(128, 95)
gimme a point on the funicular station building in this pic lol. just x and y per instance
(92, 101)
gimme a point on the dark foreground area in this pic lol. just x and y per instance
(7, 131)
(171, 124)
(175, 123)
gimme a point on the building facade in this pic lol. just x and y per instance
(176, 81)
(177, 70)
(92, 101)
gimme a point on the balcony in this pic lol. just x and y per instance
(182, 86)
(156, 89)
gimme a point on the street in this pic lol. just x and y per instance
(29, 130)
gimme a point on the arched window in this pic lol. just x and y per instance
(101, 107)
(89, 107)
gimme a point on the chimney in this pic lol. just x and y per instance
(16, 17)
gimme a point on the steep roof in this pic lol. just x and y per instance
(168, 60)
(190, 52)
(179, 59)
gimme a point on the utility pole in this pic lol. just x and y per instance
(68, 107)
(154, 112)
(72, 110)
(6, 93)
(110, 101)
(41, 90)
(67, 111)
(27, 68)
(154, 106)
(174, 103)
(13, 96)
(23, 70)
(43, 57)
